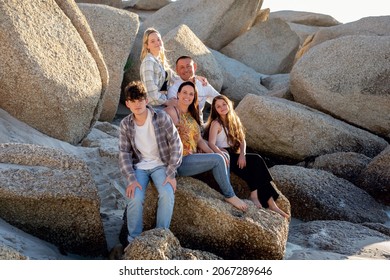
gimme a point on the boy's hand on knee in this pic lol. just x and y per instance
(130, 190)
(172, 182)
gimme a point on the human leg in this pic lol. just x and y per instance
(198, 163)
(166, 197)
(135, 206)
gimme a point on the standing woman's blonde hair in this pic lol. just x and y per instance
(233, 127)
(145, 50)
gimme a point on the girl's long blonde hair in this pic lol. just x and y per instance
(232, 125)
(145, 51)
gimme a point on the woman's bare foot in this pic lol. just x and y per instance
(238, 203)
(254, 198)
(272, 205)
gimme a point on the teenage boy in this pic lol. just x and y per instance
(149, 148)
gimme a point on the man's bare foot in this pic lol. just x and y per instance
(238, 203)
(254, 198)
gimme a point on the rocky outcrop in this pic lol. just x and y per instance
(319, 195)
(346, 165)
(352, 83)
(258, 233)
(305, 18)
(182, 41)
(368, 26)
(268, 47)
(238, 78)
(51, 195)
(161, 244)
(294, 132)
(114, 31)
(375, 178)
(150, 4)
(348, 240)
(52, 68)
(112, 3)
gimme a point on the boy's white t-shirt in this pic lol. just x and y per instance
(145, 141)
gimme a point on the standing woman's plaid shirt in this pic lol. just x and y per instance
(168, 141)
(152, 75)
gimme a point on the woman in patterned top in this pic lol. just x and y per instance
(225, 133)
(185, 116)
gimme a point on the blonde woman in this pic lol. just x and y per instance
(225, 133)
(155, 72)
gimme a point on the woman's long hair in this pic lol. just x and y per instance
(232, 126)
(145, 51)
(194, 106)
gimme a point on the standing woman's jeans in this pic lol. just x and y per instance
(198, 163)
(135, 206)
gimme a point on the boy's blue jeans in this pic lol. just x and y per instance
(166, 201)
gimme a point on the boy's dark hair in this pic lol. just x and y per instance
(135, 91)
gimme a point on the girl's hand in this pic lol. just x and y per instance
(241, 161)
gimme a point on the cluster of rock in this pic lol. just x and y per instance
(312, 93)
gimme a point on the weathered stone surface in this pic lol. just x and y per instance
(305, 18)
(346, 165)
(268, 47)
(338, 237)
(238, 78)
(319, 195)
(150, 4)
(114, 31)
(291, 131)
(51, 195)
(202, 220)
(51, 67)
(375, 178)
(368, 26)
(352, 82)
(161, 244)
(112, 3)
(7, 253)
(182, 41)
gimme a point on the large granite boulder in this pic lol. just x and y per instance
(51, 195)
(238, 78)
(375, 178)
(346, 165)
(268, 47)
(53, 75)
(319, 195)
(112, 3)
(161, 244)
(294, 132)
(368, 26)
(344, 239)
(114, 31)
(202, 220)
(352, 82)
(304, 18)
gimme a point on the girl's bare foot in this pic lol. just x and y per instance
(238, 203)
(272, 205)
(254, 198)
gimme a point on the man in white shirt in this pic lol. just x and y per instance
(185, 68)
